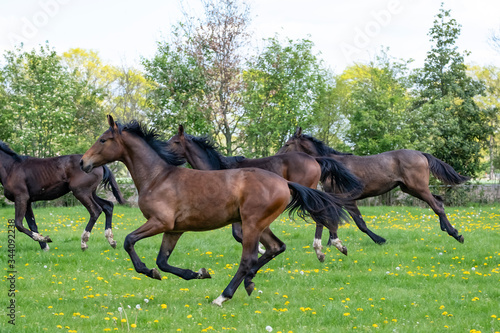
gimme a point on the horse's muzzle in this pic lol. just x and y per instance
(85, 168)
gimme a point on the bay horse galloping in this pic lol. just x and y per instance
(28, 179)
(408, 169)
(175, 200)
(296, 167)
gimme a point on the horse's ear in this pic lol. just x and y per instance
(111, 122)
(298, 131)
(180, 131)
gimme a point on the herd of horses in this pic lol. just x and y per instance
(247, 193)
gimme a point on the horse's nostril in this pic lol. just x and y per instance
(81, 163)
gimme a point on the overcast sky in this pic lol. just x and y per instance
(343, 31)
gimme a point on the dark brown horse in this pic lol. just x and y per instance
(408, 169)
(176, 200)
(28, 179)
(296, 167)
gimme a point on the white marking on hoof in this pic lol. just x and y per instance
(37, 237)
(46, 248)
(108, 233)
(317, 244)
(317, 247)
(221, 299)
(338, 244)
(261, 249)
(85, 239)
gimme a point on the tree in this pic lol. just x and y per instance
(41, 99)
(283, 85)
(375, 106)
(490, 76)
(209, 50)
(447, 122)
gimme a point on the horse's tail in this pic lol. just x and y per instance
(109, 181)
(322, 207)
(444, 172)
(338, 175)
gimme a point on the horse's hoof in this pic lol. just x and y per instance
(219, 300)
(46, 248)
(460, 238)
(113, 244)
(250, 288)
(203, 274)
(84, 247)
(381, 241)
(344, 250)
(47, 239)
(155, 274)
(321, 257)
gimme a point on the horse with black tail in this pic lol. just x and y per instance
(28, 179)
(202, 154)
(175, 200)
(408, 169)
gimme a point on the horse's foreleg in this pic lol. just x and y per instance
(274, 246)
(150, 228)
(21, 207)
(30, 218)
(107, 208)
(317, 242)
(167, 246)
(360, 223)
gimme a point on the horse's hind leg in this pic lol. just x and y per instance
(167, 246)
(249, 259)
(94, 210)
(317, 242)
(30, 218)
(107, 208)
(353, 210)
(150, 228)
(436, 204)
(335, 240)
(274, 246)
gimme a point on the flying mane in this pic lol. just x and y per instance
(152, 138)
(322, 148)
(215, 159)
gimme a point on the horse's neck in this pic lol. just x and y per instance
(6, 163)
(200, 158)
(144, 164)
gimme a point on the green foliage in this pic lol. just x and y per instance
(177, 89)
(376, 106)
(447, 122)
(283, 86)
(47, 107)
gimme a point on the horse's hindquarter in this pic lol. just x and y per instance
(379, 173)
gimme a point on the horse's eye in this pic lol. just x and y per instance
(102, 140)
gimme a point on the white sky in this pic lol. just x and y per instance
(343, 31)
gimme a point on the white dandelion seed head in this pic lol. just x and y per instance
(397, 268)
(138, 307)
(120, 309)
(44, 266)
(260, 291)
(387, 272)
(269, 328)
(473, 268)
(146, 300)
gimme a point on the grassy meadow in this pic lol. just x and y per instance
(422, 280)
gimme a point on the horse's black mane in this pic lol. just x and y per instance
(152, 138)
(322, 148)
(6, 149)
(215, 159)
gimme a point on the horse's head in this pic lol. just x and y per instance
(299, 142)
(177, 143)
(108, 148)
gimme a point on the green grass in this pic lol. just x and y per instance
(422, 280)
